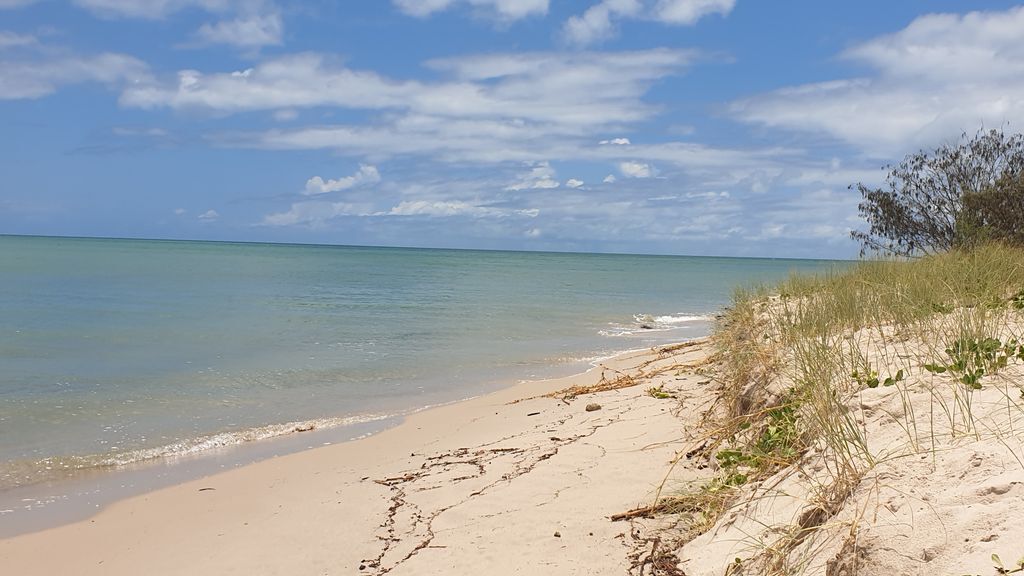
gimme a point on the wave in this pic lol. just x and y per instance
(25, 472)
(226, 439)
(643, 323)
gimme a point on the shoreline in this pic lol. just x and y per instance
(66, 499)
(306, 481)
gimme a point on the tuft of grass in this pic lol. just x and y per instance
(701, 507)
(659, 392)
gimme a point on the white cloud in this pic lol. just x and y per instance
(574, 183)
(540, 176)
(567, 92)
(250, 31)
(297, 81)
(616, 141)
(507, 10)
(488, 142)
(437, 208)
(422, 8)
(702, 195)
(939, 76)
(179, 211)
(366, 174)
(248, 24)
(37, 77)
(443, 139)
(633, 169)
(706, 202)
(311, 214)
(533, 233)
(501, 107)
(208, 216)
(609, 179)
(13, 40)
(598, 22)
(689, 12)
(545, 184)
(699, 157)
(447, 208)
(318, 214)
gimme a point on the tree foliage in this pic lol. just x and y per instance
(996, 213)
(952, 197)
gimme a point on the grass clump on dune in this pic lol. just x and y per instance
(791, 358)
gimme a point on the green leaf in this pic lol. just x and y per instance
(997, 562)
(899, 375)
(736, 480)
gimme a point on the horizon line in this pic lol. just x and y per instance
(396, 247)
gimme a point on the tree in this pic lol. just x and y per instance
(995, 214)
(952, 197)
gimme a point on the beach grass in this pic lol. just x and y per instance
(791, 357)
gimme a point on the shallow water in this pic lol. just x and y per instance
(119, 351)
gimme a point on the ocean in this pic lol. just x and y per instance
(116, 352)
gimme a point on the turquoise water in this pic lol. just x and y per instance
(116, 351)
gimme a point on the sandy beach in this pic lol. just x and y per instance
(614, 471)
(511, 287)
(515, 482)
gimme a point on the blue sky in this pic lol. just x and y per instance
(725, 127)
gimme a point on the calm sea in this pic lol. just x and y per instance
(118, 351)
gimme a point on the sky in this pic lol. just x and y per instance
(703, 127)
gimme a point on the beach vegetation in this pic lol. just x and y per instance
(793, 359)
(971, 358)
(659, 392)
(956, 196)
(870, 379)
(1000, 568)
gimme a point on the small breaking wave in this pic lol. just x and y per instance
(25, 472)
(644, 323)
(202, 444)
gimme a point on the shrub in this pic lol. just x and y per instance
(955, 196)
